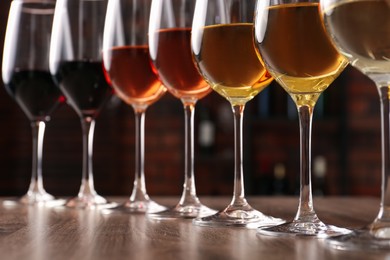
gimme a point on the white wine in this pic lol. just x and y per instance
(229, 63)
(297, 51)
(361, 29)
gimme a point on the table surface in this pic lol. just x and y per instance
(36, 232)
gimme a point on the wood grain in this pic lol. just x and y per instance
(38, 233)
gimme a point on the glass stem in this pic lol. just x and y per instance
(139, 188)
(189, 192)
(238, 192)
(87, 185)
(306, 211)
(38, 131)
(384, 212)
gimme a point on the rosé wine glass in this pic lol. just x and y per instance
(130, 72)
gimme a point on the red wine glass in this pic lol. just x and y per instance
(27, 78)
(76, 64)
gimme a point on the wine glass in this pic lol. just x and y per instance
(361, 32)
(222, 45)
(76, 64)
(27, 78)
(170, 51)
(292, 41)
(129, 70)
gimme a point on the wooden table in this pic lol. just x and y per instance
(34, 232)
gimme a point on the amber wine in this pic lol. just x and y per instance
(228, 61)
(298, 52)
(361, 29)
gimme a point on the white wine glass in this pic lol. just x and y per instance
(296, 50)
(170, 51)
(27, 78)
(129, 70)
(361, 32)
(76, 64)
(222, 45)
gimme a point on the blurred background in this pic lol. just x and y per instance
(346, 152)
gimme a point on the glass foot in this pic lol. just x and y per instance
(89, 202)
(182, 211)
(33, 198)
(146, 206)
(300, 228)
(245, 217)
(364, 239)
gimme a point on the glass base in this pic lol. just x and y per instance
(142, 207)
(182, 211)
(34, 198)
(299, 228)
(246, 217)
(362, 240)
(89, 202)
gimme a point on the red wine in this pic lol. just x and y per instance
(35, 92)
(84, 85)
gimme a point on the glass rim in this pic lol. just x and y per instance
(36, 6)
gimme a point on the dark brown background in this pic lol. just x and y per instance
(346, 132)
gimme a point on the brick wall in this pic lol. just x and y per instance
(346, 133)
